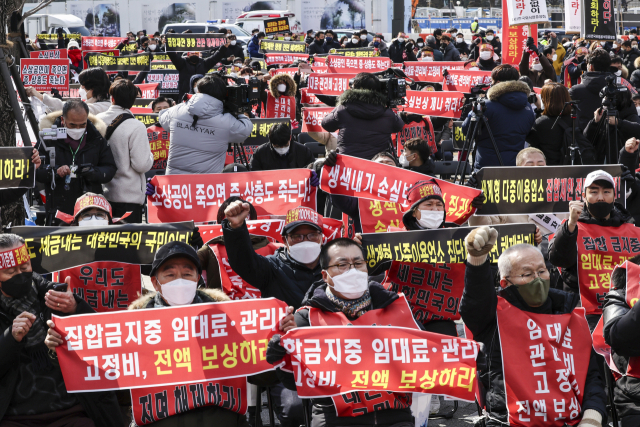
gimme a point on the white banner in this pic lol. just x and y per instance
(523, 12)
(157, 14)
(572, 13)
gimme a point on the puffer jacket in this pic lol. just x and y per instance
(548, 136)
(588, 93)
(382, 48)
(200, 135)
(279, 79)
(95, 107)
(365, 123)
(451, 53)
(478, 310)
(265, 158)
(395, 51)
(253, 48)
(510, 117)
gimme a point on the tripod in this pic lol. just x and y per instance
(608, 111)
(239, 155)
(574, 116)
(477, 120)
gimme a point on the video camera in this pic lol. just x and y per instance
(393, 83)
(242, 95)
(609, 93)
(477, 95)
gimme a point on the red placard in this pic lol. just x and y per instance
(415, 130)
(284, 58)
(352, 65)
(423, 71)
(309, 98)
(545, 368)
(312, 118)
(433, 290)
(100, 43)
(600, 249)
(377, 216)
(514, 38)
(361, 178)
(149, 90)
(110, 52)
(281, 107)
(290, 71)
(141, 110)
(439, 104)
(328, 84)
(157, 403)
(248, 152)
(604, 350)
(49, 54)
(105, 285)
(198, 197)
(45, 74)
(159, 144)
(464, 80)
(269, 228)
(192, 343)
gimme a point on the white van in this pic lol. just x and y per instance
(70, 24)
(256, 18)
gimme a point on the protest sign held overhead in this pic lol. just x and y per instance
(362, 52)
(138, 62)
(464, 80)
(100, 43)
(525, 12)
(352, 65)
(16, 168)
(45, 74)
(167, 81)
(194, 42)
(281, 46)
(438, 104)
(49, 54)
(276, 26)
(598, 20)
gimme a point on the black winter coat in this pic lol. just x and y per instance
(365, 123)
(549, 137)
(462, 47)
(478, 310)
(588, 93)
(101, 407)
(96, 151)
(628, 127)
(451, 53)
(317, 48)
(395, 52)
(635, 79)
(276, 275)
(629, 58)
(186, 69)
(265, 157)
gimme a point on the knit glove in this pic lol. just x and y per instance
(591, 417)
(478, 201)
(196, 239)
(275, 351)
(479, 243)
(151, 189)
(314, 180)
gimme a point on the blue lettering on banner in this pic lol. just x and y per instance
(459, 23)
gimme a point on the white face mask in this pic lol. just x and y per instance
(489, 38)
(233, 42)
(355, 40)
(554, 57)
(632, 36)
(82, 93)
(427, 58)
(603, 43)
(474, 69)
(287, 38)
(403, 160)
(282, 150)
(567, 45)
(400, 39)
(76, 133)
(282, 87)
(179, 291)
(431, 219)
(363, 37)
(634, 46)
(352, 284)
(615, 46)
(537, 67)
(420, 44)
(485, 55)
(618, 73)
(638, 110)
(152, 47)
(93, 222)
(305, 252)
(460, 39)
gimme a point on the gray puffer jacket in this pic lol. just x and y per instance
(200, 134)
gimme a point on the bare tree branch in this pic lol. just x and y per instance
(34, 10)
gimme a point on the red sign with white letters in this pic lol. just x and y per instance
(149, 90)
(282, 107)
(352, 65)
(100, 43)
(49, 54)
(439, 104)
(422, 71)
(309, 98)
(328, 84)
(312, 118)
(45, 74)
(164, 346)
(464, 80)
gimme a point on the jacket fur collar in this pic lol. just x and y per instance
(214, 294)
(50, 119)
(362, 96)
(505, 87)
(282, 78)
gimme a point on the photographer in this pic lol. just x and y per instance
(588, 92)
(363, 118)
(84, 160)
(201, 131)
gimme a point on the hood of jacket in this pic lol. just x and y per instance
(204, 106)
(50, 119)
(215, 295)
(511, 94)
(317, 297)
(363, 104)
(193, 79)
(282, 78)
(594, 81)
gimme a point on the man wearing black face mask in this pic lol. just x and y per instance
(32, 390)
(189, 66)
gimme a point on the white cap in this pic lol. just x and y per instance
(598, 175)
(73, 43)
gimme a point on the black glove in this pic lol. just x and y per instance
(478, 201)
(196, 239)
(410, 118)
(472, 181)
(477, 40)
(275, 352)
(87, 171)
(56, 93)
(532, 44)
(332, 159)
(583, 65)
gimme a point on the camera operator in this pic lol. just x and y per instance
(83, 161)
(588, 92)
(510, 117)
(201, 131)
(364, 120)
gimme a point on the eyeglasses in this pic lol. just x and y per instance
(315, 237)
(346, 266)
(543, 274)
(97, 215)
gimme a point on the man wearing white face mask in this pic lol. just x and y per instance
(542, 67)
(229, 52)
(281, 152)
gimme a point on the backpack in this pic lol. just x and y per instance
(117, 122)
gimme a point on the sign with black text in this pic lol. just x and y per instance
(194, 42)
(139, 62)
(276, 26)
(598, 20)
(16, 168)
(281, 46)
(361, 52)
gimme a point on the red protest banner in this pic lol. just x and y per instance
(377, 216)
(361, 178)
(628, 85)
(514, 38)
(110, 52)
(380, 358)
(105, 285)
(159, 145)
(439, 104)
(545, 375)
(291, 71)
(331, 229)
(198, 197)
(423, 129)
(281, 107)
(45, 74)
(100, 43)
(351, 65)
(312, 118)
(269, 228)
(600, 249)
(189, 343)
(433, 290)
(284, 58)
(464, 80)
(157, 403)
(49, 54)
(309, 98)
(328, 84)
(149, 90)
(422, 71)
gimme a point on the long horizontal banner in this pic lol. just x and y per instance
(464, 80)
(54, 36)
(101, 43)
(172, 345)
(194, 42)
(328, 84)
(330, 360)
(198, 197)
(443, 245)
(260, 131)
(57, 248)
(281, 46)
(349, 65)
(362, 52)
(16, 168)
(269, 228)
(439, 104)
(148, 119)
(167, 81)
(162, 65)
(284, 58)
(110, 52)
(139, 62)
(45, 74)
(361, 178)
(422, 71)
(549, 189)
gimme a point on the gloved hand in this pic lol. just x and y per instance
(531, 44)
(409, 118)
(151, 189)
(472, 181)
(591, 418)
(331, 159)
(86, 171)
(314, 181)
(478, 201)
(56, 93)
(480, 241)
(275, 351)
(196, 239)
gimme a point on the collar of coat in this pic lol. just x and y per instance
(50, 119)
(501, 88)
(362, 96)
(207, 295)
(282, 78)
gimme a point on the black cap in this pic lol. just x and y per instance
(172, 250)
(234, 167)
(309, 31)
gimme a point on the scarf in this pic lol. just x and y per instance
(352, 308)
